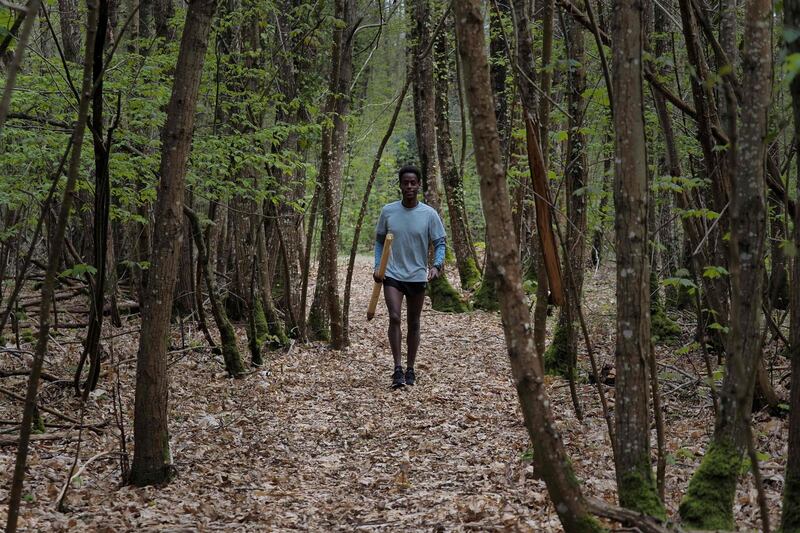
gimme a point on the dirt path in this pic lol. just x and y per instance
(320, 442)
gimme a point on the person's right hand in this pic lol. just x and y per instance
(376, 277)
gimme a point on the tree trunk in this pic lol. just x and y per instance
(549, 455)
(230, 350)
(70, 29)
(453, 183)
(443, 296)
(163, 12)
(790, 517)
(561, 356)
(152, 459)
(53, 263)
(326, 295)
(708, 503)
(635, 482)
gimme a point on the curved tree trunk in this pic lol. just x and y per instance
(48, 288)
(561, 356)
(152, 459)
(549, 455)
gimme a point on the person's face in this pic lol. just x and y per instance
(409, 186)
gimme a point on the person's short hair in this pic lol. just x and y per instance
(409, 169)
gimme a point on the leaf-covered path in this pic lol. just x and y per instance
(320, 442)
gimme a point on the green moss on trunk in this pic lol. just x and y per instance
(708, 503)
(230, 351)
(662, 327)
(444, 297)
(486, 296)
(276, 330)
(318, 330)
(637, 491)
(790, 517)
(556, 357)
(589, 524)
(469, 274)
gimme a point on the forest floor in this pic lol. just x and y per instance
(318, 440)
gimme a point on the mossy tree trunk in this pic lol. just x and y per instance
(230, 350)
(708, 503)
(561, 357)
(790, 518)
(549, 454)
(275, 324)
(326, 319)
(453, 182)
(635, 481)
(442, 294)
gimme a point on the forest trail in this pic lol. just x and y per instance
(320, 442)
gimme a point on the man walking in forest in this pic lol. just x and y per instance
(414, 226)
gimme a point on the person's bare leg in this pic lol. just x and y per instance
(414, 304)
(394, 303)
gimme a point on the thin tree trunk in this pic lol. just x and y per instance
(790, 516)
(333, 152)
(152, 461)
(48, 288)
(230, 350)
(635, 483)
(708, 503)
(443, 296)
(549, 455)
(453, 183)
(790, 519)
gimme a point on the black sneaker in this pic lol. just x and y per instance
(398, 378)
(411, 377)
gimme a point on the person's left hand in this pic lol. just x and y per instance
(433, 273)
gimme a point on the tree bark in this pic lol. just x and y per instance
(230, 350)
(561, 357)
(443, 296)
(708, 503)
(53, 263)
(790, 517)
(326, 295)
(70, 29)
(152, 462)
(453, 182)
(635, 482)
(549, 454)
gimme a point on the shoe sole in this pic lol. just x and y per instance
(398, 386)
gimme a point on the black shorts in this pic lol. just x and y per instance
(409, 288)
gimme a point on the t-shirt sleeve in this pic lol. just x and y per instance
(381, 228)
(435, 227)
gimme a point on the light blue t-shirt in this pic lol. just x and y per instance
(413, 229)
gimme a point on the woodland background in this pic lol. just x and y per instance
(188, 194)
